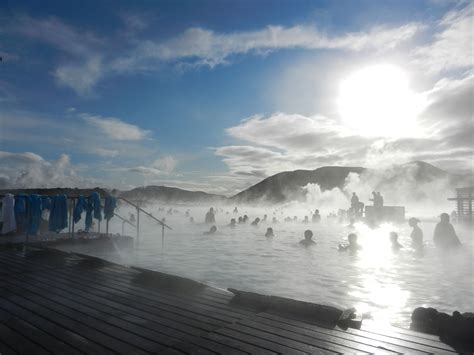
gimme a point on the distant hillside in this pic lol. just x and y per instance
(289, 185)
(169, 194)
(276, 188)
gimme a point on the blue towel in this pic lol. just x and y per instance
(109, 207)
(33, 214)
(79, 208)
(58, 214)
(20, 210)
(45, 203)
(89, 209)
(95, 197)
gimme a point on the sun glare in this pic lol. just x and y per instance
(377, 101)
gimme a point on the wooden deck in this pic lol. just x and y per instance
(70, 305)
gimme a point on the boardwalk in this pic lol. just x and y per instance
(75, 305)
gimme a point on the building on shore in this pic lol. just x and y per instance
(464, 203)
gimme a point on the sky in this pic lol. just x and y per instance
(217, 95)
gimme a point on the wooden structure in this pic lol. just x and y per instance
(69, 304)
(464, 203)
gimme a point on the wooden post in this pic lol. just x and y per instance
(107, 227)
(138, 226)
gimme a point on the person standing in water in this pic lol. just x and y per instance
(232, 223)
(352, 246)
(210, 217)
(316, 217)
(416, 233)
(444, 234)
(308, 238)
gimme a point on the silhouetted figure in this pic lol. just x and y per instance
(255, 222)
(305, 220)
(396, 246)
(416, 233)
(274, 220)
(308, 238)
(210, 217)
(132, 218)
(316, 217)
(354, 202)
(380, 199)
(269, 233)
(264, 217)
(444, 234)
(245, 219)
(352, 246)
(232, 223)
(236, 210)
(213, 230)
(241, 220)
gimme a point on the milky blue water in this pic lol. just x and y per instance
(377, 281)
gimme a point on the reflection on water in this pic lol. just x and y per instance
(376, 280)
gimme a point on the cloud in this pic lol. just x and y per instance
(161, 166)
(82, 76)
(116, 128)
(200, 46)
(452, 46)
(29, 170)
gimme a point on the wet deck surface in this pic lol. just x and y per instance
(68, 305)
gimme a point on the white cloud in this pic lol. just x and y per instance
(200, 46)
(29, 170)
(452, 46)
(116, 128)
(80, 77)
(166, 164)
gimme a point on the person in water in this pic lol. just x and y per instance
(305, 220)
(213, 230)
(210, 217)
(416, 233)
(274, 220)
(316, 217)
(355, 202)
(353, 246)
(444, 234)
(241, 220)
(265, 217)
(245, 219)
(308, 238)
(255, 222)
(232, 223)
(396, 246)
(269, 233)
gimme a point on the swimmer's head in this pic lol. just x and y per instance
(413, 221)
(308, 234)
(213, 229)
(444, 217)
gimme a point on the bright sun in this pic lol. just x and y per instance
(377, 101)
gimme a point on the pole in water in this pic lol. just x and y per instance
(162, 240)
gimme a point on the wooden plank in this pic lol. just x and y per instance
(144, 329)
(331, 335)
(320, 340)
(94, 319)
(212, 315)
(251, 349)
(6, 350)
(36, 335)
(85, 330)
(257, 341)
(386, 342)
(302, 344)
(154, 308)
(20, 343)
(53, 329)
